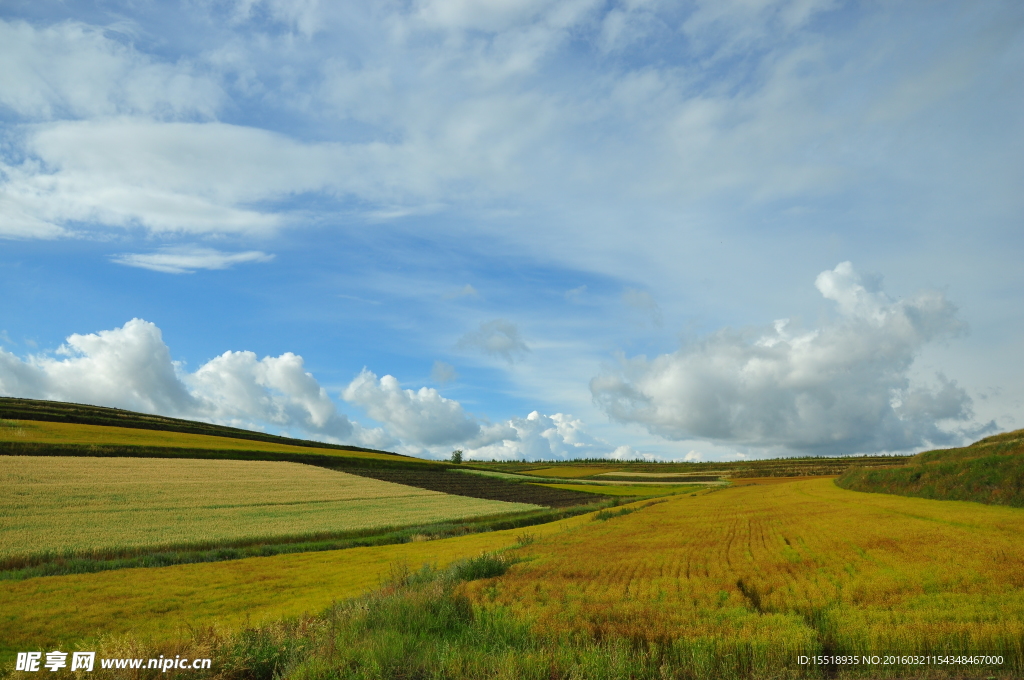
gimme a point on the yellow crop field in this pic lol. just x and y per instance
(161, 603)
(786, 569)
(83, 505)
(73, 433)
(628, 489)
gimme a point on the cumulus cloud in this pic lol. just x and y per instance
(239, 388)
(186, 260)
(498, 338)
(423, 417)
(539, 437)
(427, 423)
(841, 388)
(128, 367)
(131, 368)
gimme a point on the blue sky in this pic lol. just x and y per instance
(700, 230)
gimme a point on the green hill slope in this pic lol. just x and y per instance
(988, 471)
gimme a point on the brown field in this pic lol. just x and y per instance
(89, 505)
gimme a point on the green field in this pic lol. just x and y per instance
(84, 506)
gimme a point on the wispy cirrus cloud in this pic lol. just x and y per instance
(188, 259)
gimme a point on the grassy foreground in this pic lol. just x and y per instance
(988, 471)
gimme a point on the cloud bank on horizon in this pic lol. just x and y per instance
(431, 218)
(842, 388)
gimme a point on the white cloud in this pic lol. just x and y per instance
(71, 69)
(422, 418)
(131, 368)
(497, 337)
(128, 367)
(442, 372)
(841, 388)
(239, 388)
(427, 423)
(186, 260)
(540, 437)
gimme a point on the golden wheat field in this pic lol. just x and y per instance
(78, 505)
(74, 433)
(786, 568)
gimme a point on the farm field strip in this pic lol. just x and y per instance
(789, 566)
(746, 481)
(628, 489)
(162, 602)
(626, 473)
(41, 432)
(482, 486)
(566, 472)
(63, 505)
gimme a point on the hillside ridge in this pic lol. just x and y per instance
(990, 470)
(16, 408)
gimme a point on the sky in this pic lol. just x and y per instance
(532, 229)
